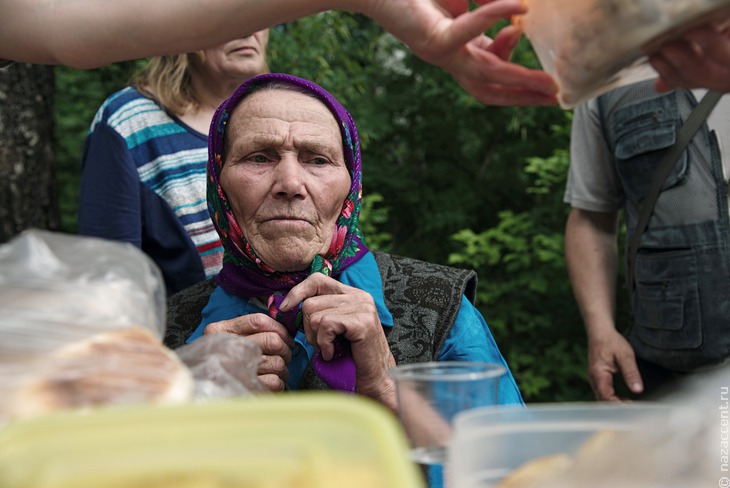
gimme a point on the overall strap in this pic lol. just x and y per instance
(669, 159)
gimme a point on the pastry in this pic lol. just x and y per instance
(122, 366)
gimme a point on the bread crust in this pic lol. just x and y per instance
(532, 473)
(118, 367)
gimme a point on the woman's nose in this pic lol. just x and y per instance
(288, 177)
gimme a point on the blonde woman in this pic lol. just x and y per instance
(143, 176)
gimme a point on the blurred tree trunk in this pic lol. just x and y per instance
(28, 185)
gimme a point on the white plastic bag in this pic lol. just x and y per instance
(588, 46)
(81, 321)
(58, 288)
(223, 365)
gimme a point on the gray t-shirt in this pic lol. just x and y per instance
(593, 183)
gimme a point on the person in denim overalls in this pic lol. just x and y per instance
(681, 301)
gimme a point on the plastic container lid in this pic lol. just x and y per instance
(304, 440)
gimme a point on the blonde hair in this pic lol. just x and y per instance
(167, 79)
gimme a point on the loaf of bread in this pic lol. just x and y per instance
(534, 472)
(539, 471)
(119, 367)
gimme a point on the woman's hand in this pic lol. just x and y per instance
(330, 309)
(273, 339)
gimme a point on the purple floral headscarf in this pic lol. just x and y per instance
(244, 273)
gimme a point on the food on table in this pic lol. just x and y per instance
(123, 366)
(533, 472)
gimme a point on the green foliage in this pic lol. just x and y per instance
(374, 220)
(79, 94)
(524, 292)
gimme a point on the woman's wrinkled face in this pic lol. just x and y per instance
(238, 59)
(285, 176)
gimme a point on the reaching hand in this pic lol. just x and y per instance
(273, 339)
(700, 59)
(608, 354)
(446, 34)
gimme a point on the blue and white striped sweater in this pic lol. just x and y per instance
(169, 159)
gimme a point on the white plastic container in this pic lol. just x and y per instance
(490, 442)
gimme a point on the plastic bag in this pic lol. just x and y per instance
(589, 46)
(81, 321)
(223, 365)
(57, 288)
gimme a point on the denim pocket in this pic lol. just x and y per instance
(643, 132)
(667, 309)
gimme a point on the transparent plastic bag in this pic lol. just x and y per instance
(589, 46)
(58, 288)
(223, 365)
(81, 321)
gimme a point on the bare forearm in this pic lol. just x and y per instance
(91, 33)
(591, 254)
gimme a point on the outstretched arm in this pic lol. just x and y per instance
(92, 33)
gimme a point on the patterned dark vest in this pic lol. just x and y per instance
(423, 298)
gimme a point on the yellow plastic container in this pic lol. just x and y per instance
(303, 440)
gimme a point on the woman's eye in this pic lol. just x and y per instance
(319, 160)
(259, 158)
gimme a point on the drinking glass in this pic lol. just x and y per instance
(431, 394)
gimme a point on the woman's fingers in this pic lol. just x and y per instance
(273, 365)
(316, 284)
(272, 338)
(272, 382)
(249, 325)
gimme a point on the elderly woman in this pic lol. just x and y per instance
(284, 189)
